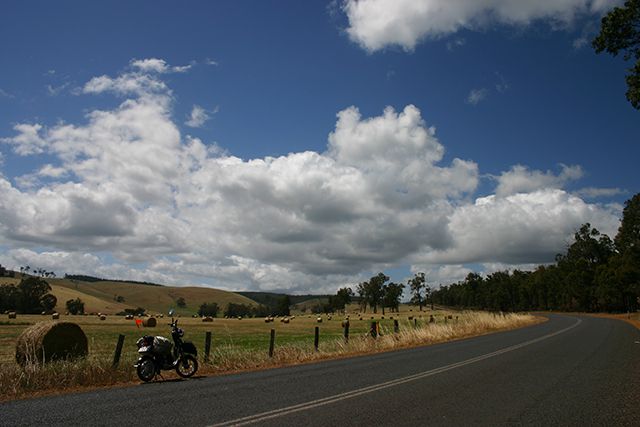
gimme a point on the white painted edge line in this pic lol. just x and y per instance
(251, 419)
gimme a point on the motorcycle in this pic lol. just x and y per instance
(155, 354)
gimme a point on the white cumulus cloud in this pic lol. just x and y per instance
(155, 65)
(198, 117)
(28, 140)
(125, 194)
(521, 179)
(520, 228)
(376, 24)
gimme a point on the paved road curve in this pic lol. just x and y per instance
(570, 370)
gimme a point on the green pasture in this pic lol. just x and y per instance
(248, 334)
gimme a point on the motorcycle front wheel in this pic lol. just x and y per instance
(187, 366)
(146, 369)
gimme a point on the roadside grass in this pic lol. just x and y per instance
(237, 345)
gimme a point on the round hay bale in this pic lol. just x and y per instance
(319, 320)
(48, 341)
(103, 317)
(12, 315)
(55, 316)
(285, 320)
(149, 322)
(207, 319)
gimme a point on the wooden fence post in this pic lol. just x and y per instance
(415, 322)
(272, 342)
(207, 346)
(316, 339)
(396, 326)
(346, 331)
(116, 356)
(374, 329)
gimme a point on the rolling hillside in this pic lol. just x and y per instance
(100, 296)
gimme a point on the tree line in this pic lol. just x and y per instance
(279, 308)
(30, 296)
(595, 274)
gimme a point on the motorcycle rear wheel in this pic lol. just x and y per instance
(187, 366)
(146, 369)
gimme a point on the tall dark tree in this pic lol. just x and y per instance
(375, 290)
(620, 32)
(417, 285)
(363, 293)
(392, 295)
(589, 250)
(284, 304)
(619, 281)
(628, 236)
(235, 310)
(76, 306)
(342, 298)
(31, 290)
(9, 298)
(208, 309)
(48, 302)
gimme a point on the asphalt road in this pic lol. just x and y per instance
(570, 370)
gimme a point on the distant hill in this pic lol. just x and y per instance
(101, 296)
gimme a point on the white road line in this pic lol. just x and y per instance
(251, 419)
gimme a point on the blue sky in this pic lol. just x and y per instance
(257, 133)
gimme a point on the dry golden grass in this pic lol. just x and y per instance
(238, 350)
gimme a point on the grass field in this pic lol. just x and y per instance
(251, 334)
(236, 344)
